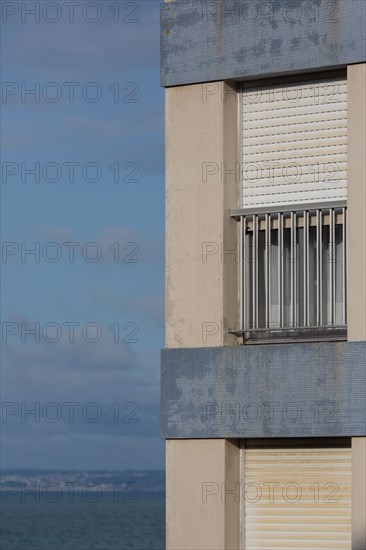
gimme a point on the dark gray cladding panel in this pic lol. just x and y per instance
(282, 390)
(208, 40)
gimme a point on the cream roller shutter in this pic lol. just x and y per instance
(297, 496)
(294, 140)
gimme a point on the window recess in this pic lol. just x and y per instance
(293, 273)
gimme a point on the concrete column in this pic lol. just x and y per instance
(358, 493)
(356, 80)
(203, 494)
(202, 264)
(202, 182)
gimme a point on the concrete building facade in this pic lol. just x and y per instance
(264, 369)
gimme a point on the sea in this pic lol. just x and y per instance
(40, 517)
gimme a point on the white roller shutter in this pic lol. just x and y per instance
(297, 496)
(294, 140)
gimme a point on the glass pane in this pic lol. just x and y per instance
(330, 258)
(261, 280)
(300, 277)
(274, 306)
(313, 283)
(248, 304)
(327, 259)
(287, 277)
(339, 275)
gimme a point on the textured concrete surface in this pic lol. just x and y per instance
(282, 390)
(208, 40)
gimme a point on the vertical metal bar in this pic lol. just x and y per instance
(296, 305)
(305, 267)
(321, 267)
(242, 272)
(280, 268)
(308, 267)
(267, 268)
(331, 267)
(344, 266)
(255, 271)
(335, 260)
(293, 271)
(318, 256)
(270, 270)
(283, 312)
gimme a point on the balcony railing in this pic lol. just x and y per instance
(293, 273)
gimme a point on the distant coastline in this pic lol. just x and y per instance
(149, 481)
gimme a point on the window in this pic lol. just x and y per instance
(293, 210)
(293, 272)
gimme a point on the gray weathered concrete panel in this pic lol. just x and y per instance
(208, 40)
(280, 390)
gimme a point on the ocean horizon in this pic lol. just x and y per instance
(82, 510)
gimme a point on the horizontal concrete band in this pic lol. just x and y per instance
(280, 390)
(209, 40)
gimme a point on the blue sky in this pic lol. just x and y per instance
(112, 129)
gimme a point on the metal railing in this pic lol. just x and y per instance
(293, 275)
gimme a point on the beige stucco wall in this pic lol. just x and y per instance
(201, 274)
(199, 514)
(358, 493)
(356, 79)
